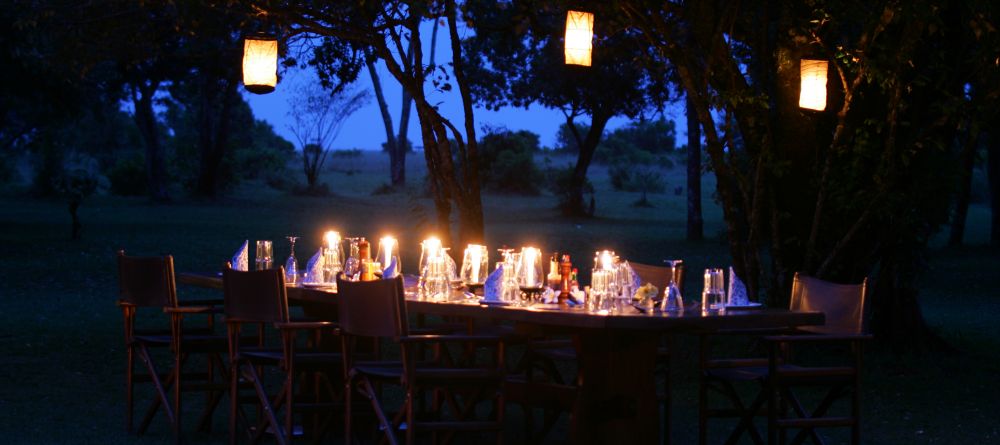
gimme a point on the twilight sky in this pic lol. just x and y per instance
(364, 129)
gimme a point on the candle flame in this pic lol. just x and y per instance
(332, 239)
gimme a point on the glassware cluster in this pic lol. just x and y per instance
(523, 281)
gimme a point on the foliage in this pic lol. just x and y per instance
(565, 141)
(636, 172)
(561, 185)
(252, 150)
(507, 161)
(128, 176)
(518, 54)
(856, 190)
(317, 117)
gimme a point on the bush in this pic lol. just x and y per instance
(559, 185)
(507, 161)
(637, 171)
(128, 176)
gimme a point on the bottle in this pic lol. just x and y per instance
(566, 275)
(364, 250)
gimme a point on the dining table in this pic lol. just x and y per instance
(615, 399)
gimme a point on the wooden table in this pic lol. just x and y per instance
(616, 402)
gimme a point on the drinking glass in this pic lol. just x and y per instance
(291, 265)
(475, 265)
(530, 277)
(598, 299)
(672, 300)
(352, 266)
(388, 254)
(263, 258)
(333, 256)
(713, 297)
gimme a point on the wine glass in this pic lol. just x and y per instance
(353, 263)
(291, 265)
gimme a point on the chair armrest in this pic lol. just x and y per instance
(305, 325)
(431, 338)
(192, 310)
(805, 338)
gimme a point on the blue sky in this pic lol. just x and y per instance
(364, 129)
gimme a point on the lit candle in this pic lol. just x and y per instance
(607, 260)
(332, 239)
(388, 243)
(530, 256)
(476, 256)
(432, 246)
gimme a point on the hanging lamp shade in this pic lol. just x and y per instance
(260, 63)
(579, 37)
(812, 94)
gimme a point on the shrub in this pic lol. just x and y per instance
(128, 176)
(507, 161)
(560, 179)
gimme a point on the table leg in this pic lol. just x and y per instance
(617, 400)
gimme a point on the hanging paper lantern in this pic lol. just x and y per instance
(813, 90)
(260, 63)
(579, 37)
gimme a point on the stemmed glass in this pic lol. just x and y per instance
(353, 263)
(291, 265)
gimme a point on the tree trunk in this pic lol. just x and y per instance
(74, 206)
(575, 205)
(213, 134)
(968, 161)
(993, 171)
(391, 143)
(695, 224)
(145, 120)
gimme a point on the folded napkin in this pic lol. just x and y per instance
(636, 279)
(550, 296)
(390, 270)
(452, 268)
(492, 286)
(314, 268)
(737, 291)
(241, 260)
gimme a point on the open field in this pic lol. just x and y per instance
(60, 333)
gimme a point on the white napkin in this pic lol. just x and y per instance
(452, 268)
(737, 291)
(241, 260)
(390, 270)
(550, 296)
(314, 268)
(491, 288)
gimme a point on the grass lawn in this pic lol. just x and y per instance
(62, 375)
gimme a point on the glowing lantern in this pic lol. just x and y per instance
(260, 63)
(813, 90)
(579, 37)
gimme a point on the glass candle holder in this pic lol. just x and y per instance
(475, 263)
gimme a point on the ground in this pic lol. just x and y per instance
(61, 335)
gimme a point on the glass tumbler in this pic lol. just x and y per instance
(263, 259)
(713, 297)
